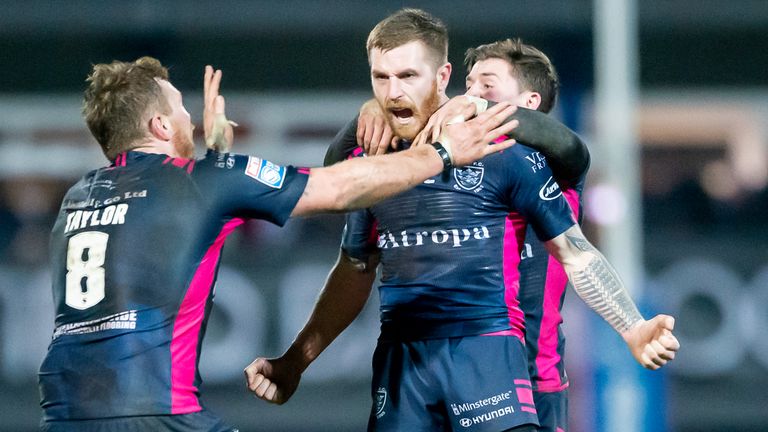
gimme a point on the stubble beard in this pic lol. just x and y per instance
(183, 145)
(420, 115)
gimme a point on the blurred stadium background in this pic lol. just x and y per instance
(295, 71)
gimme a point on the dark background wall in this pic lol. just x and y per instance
(310, 46)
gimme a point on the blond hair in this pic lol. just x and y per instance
(118, 99)
(408, 25)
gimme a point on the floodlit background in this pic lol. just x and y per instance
(672, 93)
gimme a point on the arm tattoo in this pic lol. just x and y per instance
(580, 242)
(602, 290)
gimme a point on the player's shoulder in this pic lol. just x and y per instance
(516, 156)
(239, 170)
(228, 164)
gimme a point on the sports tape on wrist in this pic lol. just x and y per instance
(480, 104)
(217, 139)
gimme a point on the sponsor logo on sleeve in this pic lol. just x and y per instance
(265, 172)
(550, 190)
(225, 160)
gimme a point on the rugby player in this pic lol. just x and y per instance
(519, 73)
(136, 245)
(450, 355)
(512, 71)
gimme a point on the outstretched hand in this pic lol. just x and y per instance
(219, 132)
(273, 380)
(652, 342)
(469, 141)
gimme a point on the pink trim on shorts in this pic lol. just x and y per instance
(525, 395)
(186, 328)
(528, 409)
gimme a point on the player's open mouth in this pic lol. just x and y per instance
(403, 115)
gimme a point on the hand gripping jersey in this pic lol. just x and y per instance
(134, 251)
(450, 247)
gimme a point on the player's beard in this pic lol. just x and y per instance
(182, 142)
(420, 115)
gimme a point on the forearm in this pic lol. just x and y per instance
(595, 280)
(566, 153)
(366, 181)
(362, 182)
(340, 302)
(602, 290)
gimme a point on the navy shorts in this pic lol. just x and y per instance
(201, 421)
(553, 410)
(472, 383)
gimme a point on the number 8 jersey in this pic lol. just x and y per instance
(135, 251)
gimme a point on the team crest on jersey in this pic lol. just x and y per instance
(265, 172)
(469, 178)
(381, 401)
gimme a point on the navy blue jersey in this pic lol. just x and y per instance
(135, 251)
(450, 247)
(543, 283)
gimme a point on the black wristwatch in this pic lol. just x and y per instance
(447, 164)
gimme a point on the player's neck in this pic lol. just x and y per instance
(157, 147)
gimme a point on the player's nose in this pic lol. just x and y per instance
(394, 89)
(474, 90)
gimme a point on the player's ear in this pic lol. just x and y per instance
(443, 77)
(160, 127)
(532, 100)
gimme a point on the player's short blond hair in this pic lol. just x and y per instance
(409, 25)
(119, 98)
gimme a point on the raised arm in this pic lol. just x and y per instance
(566, 153)
(346, 290)
(599, 286)
(362, 182)
(218, 131)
